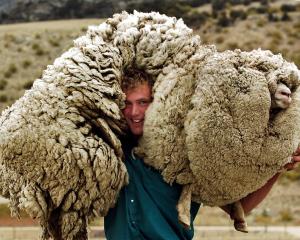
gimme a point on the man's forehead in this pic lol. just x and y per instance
(137, 86)
(143, 91)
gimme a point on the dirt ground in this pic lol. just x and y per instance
(14, 222)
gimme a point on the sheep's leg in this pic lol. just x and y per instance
(60, 226)
(238, 215)
(184, 206)
(82, 233)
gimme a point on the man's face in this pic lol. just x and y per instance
(137, 101)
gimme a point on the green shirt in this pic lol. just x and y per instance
(146, 208)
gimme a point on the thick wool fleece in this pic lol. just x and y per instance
(234, 143)
(62, 136)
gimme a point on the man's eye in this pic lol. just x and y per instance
(143, 103)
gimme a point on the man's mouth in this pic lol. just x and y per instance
(137, 120)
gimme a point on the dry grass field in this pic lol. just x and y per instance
(257, 31)
(26, 49)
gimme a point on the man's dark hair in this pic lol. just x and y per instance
(133, 77)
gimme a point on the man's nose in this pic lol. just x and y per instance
(135, 110)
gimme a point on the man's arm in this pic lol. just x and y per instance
(253, 199)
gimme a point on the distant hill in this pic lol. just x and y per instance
(13, 11)
(36, 10)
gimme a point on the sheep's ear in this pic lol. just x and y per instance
(272, 82)
(294, 79)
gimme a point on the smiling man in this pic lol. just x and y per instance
(138, 98)
(146, 207)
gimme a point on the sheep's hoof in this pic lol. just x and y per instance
(241, 226)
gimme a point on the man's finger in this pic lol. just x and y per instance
(298, 149)
(297, 152)
(291, 166)
(296, 158)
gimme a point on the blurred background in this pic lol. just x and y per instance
(34, 32)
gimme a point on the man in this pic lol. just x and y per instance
(146, 208)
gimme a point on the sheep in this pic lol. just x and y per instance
(281, 99)
(60, 141)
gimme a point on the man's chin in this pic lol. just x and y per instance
(137, 132)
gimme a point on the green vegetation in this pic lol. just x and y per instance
(26, 63)
(288, 8)
(296, 59)
(5, 211)
(37, 36)
(219, 39)
(261, 22)
(3, 98)
(53, 42)
(264, 218)
(3, 84)
(224, 20)
(28, 84)
(238, 14)
(35, 46)
(296, 25)
(9, 38)
(38, 50)
(12, 69)
(286, 215)
(232, 45)
(292, 175)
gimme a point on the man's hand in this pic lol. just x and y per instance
(294, 160)
(253, 199)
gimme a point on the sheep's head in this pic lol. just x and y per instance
(282, 83)
(282, 97)
(275, 69)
